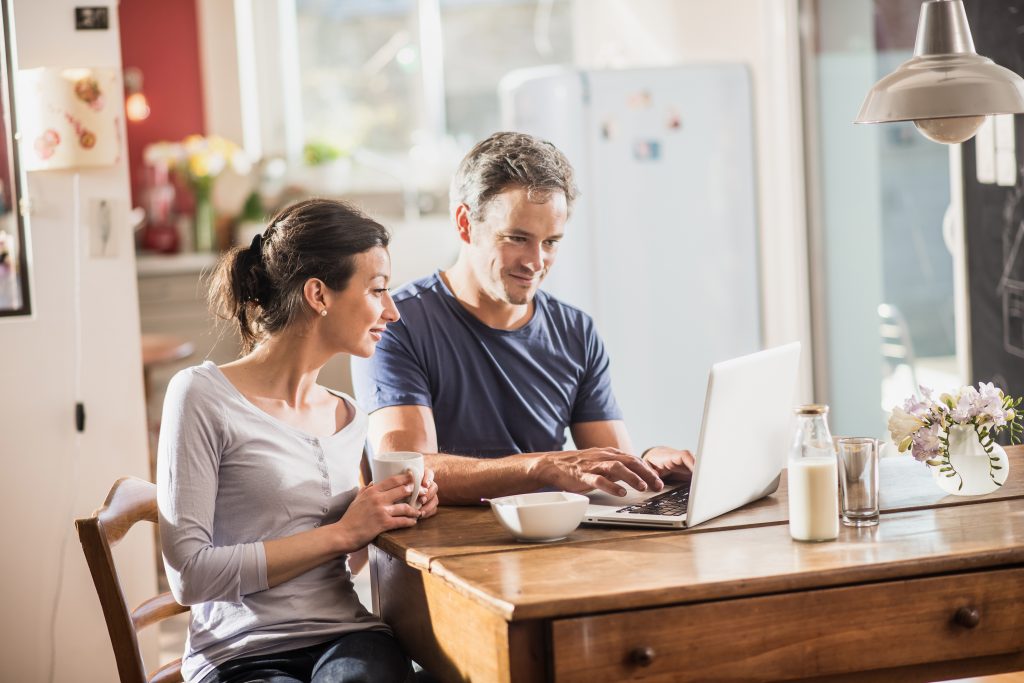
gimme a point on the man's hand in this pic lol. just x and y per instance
(669, 463)
(594, 468)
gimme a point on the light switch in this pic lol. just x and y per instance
(106, 223)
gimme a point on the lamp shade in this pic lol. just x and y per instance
(946, 78)
(68, 118)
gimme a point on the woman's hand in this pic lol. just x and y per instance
(428, 495)
(377, 508)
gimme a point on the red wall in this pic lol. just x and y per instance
(160, 37)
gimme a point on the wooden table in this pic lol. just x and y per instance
(936, 591)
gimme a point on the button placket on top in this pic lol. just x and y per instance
(325, 479)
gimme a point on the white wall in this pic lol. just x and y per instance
(50, 475)
(764, 35)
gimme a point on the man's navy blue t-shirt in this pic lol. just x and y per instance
(492, 392)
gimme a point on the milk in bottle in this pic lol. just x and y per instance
(813, 478)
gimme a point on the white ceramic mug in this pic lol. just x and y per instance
(386, 465)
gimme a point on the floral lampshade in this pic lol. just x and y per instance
(67, 118)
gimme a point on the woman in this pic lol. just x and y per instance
(258, 465)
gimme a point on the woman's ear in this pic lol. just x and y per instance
(315, 294)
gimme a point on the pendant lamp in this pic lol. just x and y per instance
(947, 89)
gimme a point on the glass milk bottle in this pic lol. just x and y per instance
(813, 478)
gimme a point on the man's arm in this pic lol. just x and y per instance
(669, 463)
(463, 480)
(602, 433)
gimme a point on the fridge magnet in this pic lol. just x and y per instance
(608, 127)
(646, 150)
(640, 99)
(674, 121)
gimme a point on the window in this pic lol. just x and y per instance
(386, 75)
(884, 258)
(360, 72)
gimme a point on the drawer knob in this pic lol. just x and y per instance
(968, 617)
(642, 656)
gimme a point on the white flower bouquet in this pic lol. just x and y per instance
(923, 425)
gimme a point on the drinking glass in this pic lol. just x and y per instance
(858, 480)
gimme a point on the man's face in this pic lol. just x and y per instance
(514, 246)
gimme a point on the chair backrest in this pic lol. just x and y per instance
(897, 348)
(130, 500)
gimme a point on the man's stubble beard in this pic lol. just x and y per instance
(518, 299)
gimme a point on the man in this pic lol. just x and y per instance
(484, 364)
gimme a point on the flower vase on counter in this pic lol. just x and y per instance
(975, 471)
(204, 224)
(954, 434)
(197, 161)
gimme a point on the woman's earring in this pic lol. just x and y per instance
(323, 313)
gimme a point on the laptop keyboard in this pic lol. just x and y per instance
(669, 504)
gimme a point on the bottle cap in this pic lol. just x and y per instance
(811, 409)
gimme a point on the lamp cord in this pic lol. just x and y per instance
(76, 451)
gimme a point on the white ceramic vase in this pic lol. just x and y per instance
(976, 472)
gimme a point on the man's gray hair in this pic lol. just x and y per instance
(507, 160)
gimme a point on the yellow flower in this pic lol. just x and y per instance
(198, 157)
(222, 146)
(198, 166)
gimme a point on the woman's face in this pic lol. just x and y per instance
(357, 315)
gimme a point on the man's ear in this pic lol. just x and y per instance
(463, 222)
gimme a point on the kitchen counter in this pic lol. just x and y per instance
(174, 264)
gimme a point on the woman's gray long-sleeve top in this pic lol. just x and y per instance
(229, 477)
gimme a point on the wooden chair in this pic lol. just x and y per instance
(130, 500)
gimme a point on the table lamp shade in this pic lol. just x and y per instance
(68, 117)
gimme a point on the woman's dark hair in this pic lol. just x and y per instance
(260, 287)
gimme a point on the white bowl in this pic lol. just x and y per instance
(540, 517)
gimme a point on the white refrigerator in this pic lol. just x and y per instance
(661, 248)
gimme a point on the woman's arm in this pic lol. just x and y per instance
(192, 440)
(375, 509)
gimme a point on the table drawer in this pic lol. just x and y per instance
(813, 633)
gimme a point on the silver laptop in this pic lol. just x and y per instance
(741, 450)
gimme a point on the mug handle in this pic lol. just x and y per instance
(414, 500)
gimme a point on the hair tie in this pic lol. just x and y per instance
(257, 245)
(256, 251)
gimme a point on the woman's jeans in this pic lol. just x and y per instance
(360, 657)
